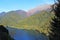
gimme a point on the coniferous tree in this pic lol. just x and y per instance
(4, 33)
(55, 24)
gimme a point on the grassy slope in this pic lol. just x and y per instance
(11, 19)
(39, 21)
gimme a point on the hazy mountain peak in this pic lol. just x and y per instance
(39, 8)
(2, 13)
(30, 12)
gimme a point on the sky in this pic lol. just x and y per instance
(9, 5)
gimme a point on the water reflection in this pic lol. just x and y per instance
(23, 34)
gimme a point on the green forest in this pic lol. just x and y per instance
(39, 21)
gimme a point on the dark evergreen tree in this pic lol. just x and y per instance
(55, 24)
(4, 34)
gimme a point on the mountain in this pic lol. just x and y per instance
(22, 13)
(39, 21)
(35, 19)
(30, 12)
(40, 8)
(2, 14)
(12, 18)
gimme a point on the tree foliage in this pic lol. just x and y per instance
(4, 33)
(55, 25)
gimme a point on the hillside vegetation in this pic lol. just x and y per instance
(39, 21)
(10, 19)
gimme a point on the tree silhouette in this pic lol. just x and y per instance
(4, 34)
(55, 24)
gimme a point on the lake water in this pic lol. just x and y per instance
(20, 34)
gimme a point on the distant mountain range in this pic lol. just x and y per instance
(2, 14)
(12, 17)
(15, 17)
(35, 19)
(39, 9)
(20, 12)
(31, 11)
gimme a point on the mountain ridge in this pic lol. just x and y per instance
(31, 11)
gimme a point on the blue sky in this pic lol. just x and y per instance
(8, 5)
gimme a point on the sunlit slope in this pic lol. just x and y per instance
(11, 19)
(39, 21)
